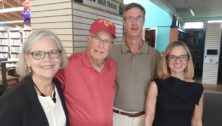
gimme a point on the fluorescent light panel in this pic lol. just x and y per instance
(193, 25)
(14, 9)
(215, 21)
(11, 22)
(191, 11)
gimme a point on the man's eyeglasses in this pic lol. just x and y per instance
(173, 58)
(97, 39)
(38, 55)
(132, 18)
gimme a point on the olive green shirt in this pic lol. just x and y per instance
(134, 73)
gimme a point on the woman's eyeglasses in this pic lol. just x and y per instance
(38, 55)
(173, 58)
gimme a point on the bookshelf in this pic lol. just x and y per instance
(4, 45)
(10, 47)
(11, 43)
(15, 42)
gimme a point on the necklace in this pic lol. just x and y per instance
(53, 96)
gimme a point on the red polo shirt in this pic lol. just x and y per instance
(89, 95)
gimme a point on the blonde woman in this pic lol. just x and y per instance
(175, 99)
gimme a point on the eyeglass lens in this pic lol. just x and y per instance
(173, 58)
(98, 39)
(41, 54)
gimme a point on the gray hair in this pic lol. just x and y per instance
(22, 69)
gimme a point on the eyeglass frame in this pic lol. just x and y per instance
(49, 53)
(178, 57)
(98, 39)
(132, 18)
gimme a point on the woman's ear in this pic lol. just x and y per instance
(27, 61)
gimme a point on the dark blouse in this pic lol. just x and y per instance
(176, 101)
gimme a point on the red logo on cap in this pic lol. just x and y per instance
(103, 24)
(106, 22)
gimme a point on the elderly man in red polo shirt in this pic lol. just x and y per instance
(89, 78)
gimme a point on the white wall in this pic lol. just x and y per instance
(70, 21)
(211, 62)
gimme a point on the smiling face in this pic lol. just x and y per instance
(99, 46)
(46, 67)
(133, 22)
(177, 60)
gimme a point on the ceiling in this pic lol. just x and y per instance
(11, 16)
(203, 9)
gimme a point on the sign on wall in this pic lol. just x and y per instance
(109, 5)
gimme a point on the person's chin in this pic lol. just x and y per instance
(49, 76)
(48, 73)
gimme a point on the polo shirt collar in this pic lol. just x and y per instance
(144, 48)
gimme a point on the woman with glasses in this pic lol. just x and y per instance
(175, 99)
(37, 100)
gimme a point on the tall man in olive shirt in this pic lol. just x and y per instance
(136, 67)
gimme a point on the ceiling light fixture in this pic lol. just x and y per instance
(215, 21)
(14, 9)
(192, 13)
(11, 22)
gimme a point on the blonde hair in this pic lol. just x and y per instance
(22, 68)
(163, 69)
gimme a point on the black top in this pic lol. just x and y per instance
(20, 106)
(176, 101)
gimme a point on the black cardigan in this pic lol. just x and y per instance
(20, 106)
